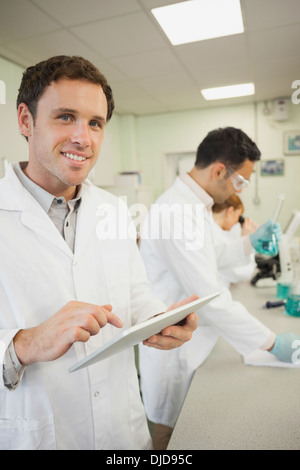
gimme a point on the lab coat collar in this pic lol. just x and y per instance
(86, 217)
(44, 198)
(199, 191)
(12, 193)
(14, 197)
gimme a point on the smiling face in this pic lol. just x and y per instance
(66, 137)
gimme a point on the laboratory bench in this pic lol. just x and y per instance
(233, 406)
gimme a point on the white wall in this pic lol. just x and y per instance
(159, 135)
(13, 145)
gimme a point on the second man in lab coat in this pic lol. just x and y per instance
(181, 258)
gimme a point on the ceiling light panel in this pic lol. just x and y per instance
(232, 91)
(197, 20)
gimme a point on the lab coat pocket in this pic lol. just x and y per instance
(27, 434)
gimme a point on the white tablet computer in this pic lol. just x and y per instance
(138, 333)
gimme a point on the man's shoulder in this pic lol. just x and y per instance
(177, 193)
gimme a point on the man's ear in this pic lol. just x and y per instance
(25, 120)
(218, 170)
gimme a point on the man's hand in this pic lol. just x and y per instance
(285, 346)
(75, 321)
(175, 336)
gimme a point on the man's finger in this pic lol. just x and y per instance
(105, 315)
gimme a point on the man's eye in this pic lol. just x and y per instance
(94, 124)
(65, 117)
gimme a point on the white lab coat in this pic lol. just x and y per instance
(175, 273)
(243, 268)
(98, 407)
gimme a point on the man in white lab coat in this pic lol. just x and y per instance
(63, 274)
(181, 262)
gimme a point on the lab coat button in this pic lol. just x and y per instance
(96, 394)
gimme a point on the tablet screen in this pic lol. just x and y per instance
(138, 333)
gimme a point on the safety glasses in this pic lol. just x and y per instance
(238, 181)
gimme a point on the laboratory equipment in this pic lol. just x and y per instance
(283, 290)
(278, 303)
(285, 278)
(267, 271)
(278, 271)
(292, 306)
(268, 244)
(292, 225)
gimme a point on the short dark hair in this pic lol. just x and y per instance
(228, 145)
(38, 77)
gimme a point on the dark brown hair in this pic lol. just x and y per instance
(228, 145)
(38, 77)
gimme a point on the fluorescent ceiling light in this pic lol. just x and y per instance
(232, 91)
(196, 20)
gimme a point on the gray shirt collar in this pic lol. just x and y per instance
(44, 198)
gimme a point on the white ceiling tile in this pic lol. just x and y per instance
(274, 43)
(21, 19)
(14, 57)
(70, 12)
(149, 4)
(119, 36)
(148, 64)
(47, 45)
(279, 68)
(112, 74)
(223, 76)
(162, 84)
(269, 90)
(130, 89)
(144, 105)
(182, 100)
(130, 95)
(262, 14)
(221, 51)
(146, 72)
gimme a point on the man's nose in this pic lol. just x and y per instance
(81, 135)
